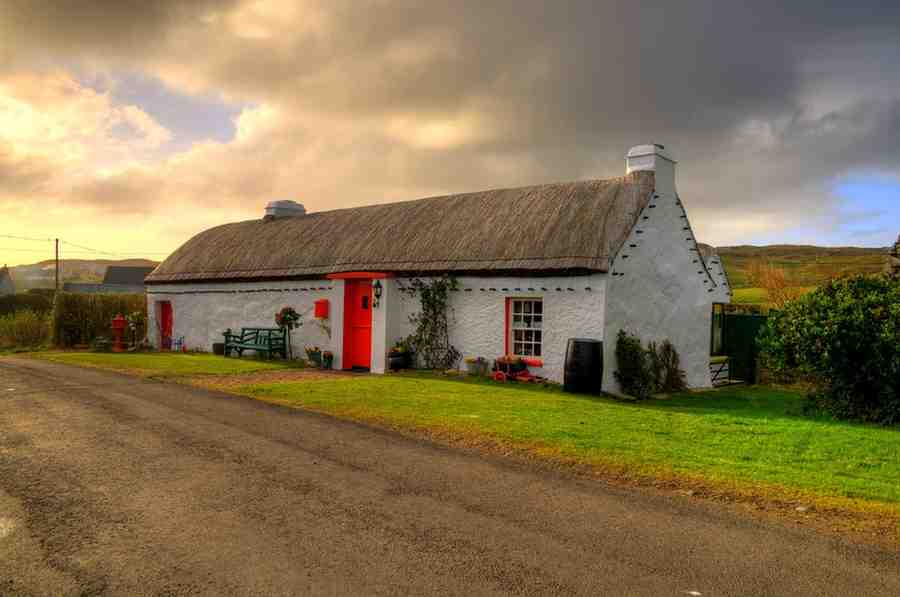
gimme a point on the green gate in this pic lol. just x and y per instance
(739, 332)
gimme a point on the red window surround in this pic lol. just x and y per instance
(507, 333)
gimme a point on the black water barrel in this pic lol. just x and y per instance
(584, 366)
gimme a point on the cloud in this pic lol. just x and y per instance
(354, 102)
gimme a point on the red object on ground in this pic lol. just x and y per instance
(499, 376)
(321, 309)
(118, 329)
(357, 324)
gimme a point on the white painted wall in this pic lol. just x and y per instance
(203, 311)
(722, 293)
(478, 316)
(659, 287)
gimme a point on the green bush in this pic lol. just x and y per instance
(81, 318)
(846, 336)
(667, 371)
(40, 302)
(635, 372)
(24, 329)
(644, 371)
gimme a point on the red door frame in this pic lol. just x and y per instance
(166, 324)
(357, 350)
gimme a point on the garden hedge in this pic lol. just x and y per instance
(39, 302)
(82, 318)
(846, 336)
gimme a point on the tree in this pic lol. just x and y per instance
(765, 275)
(846, 336)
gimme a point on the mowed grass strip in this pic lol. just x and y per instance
(758, 295)
(750, 436)
(164, 364)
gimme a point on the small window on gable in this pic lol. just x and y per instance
(526, 331)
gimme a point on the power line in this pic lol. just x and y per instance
(83, 248)
(28, 238)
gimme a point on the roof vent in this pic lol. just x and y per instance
(284, 208)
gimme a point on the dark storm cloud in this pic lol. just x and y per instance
(763, 102)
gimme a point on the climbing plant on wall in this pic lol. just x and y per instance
(431, 339)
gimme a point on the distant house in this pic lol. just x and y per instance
(535, 266)
(6, 283)
(118, 279)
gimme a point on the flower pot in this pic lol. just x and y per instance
(477, 367)
(315, 358)
(327, 361)
(398, 360)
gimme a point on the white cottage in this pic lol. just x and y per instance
(584, 258)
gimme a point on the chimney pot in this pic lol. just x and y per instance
(283, 209)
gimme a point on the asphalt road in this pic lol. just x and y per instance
(113, 485)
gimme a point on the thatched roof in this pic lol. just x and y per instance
(576, 226)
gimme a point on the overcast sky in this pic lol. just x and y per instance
(129, 125)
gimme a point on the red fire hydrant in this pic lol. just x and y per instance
(118, 329)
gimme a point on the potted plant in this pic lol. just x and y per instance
(327, 359)
(399, 356)
(288, 319)
(314, 355)
(477, 365)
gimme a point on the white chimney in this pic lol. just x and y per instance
(653, 158)
(284, 209)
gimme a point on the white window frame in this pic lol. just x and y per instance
(526, 315)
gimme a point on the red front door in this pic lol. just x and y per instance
(357, 324)
(165, 325)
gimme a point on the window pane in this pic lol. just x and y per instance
(537, 335)
(517, 319)
(536, 321)
(538, 307)
(518, 335)
(527, 306)
(517, 306)
(517, 348)
(526, 321)
(537, 350)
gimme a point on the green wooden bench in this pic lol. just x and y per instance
(267, 341)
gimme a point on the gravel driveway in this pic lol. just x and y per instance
(114, 485)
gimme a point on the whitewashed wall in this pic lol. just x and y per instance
(573, 308)
(203, 311)
(722, 293)
(659, 288)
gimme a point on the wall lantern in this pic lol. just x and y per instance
(377, 289)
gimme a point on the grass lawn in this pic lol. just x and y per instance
(757, 295)
(736, 437)
(164, 364)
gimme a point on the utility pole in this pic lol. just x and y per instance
(57, 265)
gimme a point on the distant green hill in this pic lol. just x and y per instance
(804, 265)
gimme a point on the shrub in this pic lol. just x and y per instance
(846, 336)
(635, 372)
(81, 318)
(644, 371)
(668, 373)
(431, 339)
(40, 302)
(24, 329)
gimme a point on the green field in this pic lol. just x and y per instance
(803, 265)
(757, 295)
(751, 437)
(164, 364)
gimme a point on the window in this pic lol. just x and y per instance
(526, 327)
